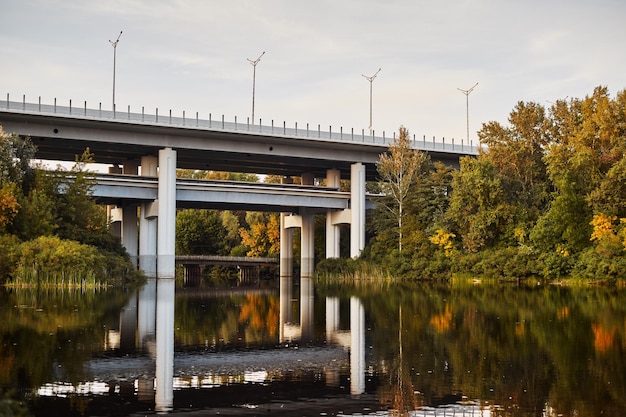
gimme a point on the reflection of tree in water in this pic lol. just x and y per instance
(261, 313)
(399, 393)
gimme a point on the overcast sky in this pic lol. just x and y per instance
(192, 55)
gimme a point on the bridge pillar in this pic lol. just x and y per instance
(286, 247)
(333, 179)
(115, 227)
(130, 231)
(148, 224)
(166, 228)
(286, 241)
(307, 244)
(357, 209)
(192, 276)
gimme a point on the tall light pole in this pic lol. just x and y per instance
(467, 93)
(371, 79)
(256, 61)
(114, 45)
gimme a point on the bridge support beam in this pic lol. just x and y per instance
(307, 245)
(130, 231)
(333, 179)
(166, 229)
(286, 247)
(148, 224)
(357, 209)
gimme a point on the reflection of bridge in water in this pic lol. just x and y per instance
(249, 267)
(147, 323)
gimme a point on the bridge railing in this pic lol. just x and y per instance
(210, 122)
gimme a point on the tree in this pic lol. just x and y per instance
(477, 206)
(263, 237)
(398, 171)
(200, 232)
(517, 153)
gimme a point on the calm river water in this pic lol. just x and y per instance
(294, 348)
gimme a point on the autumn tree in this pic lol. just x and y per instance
(263, 236)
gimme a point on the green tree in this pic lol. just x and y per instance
(200, 232)
(517, 153)
(399, 170)
(478, 208)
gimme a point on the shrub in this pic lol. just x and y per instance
(49, 260)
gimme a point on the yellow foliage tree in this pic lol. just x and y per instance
(443, 240)
(263, 238)
(9, 206)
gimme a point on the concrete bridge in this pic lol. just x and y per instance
(249, 267)
(151, 147)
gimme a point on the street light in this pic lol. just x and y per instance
(467, 93)
(114, 45)
(371, 79)
(256, 61)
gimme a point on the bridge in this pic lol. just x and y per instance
(155, 145)
(248, 266)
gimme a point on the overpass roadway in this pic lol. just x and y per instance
(62, 132)
(228, 195)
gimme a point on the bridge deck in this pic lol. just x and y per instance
(224, 260)
(62, 132)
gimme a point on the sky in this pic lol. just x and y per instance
(192, 56)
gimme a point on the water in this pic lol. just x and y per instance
(295, 348)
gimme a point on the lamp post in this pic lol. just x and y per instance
(371, 79)
(114, 45)
(256, 61)
(467, 93)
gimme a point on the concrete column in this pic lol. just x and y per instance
(357, 209)
(166, 229)
(130, 231)
(148, 224)
(333, 179)
(115, 227)
(286, 248)
(308, 179)
(307, 245)
(130, 167)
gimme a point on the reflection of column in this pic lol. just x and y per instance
(333, 180)
(286, 295)
(128, 325)
(164, 397)
(148, 224)
(146, 315)
(166, 228)
(306, 308)
(357, 347)
(332, 317)
(331, 374)
(357, 209)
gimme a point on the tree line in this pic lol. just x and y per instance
(545, 197)
(52, 232)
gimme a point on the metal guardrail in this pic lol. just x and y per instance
(220, 124)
